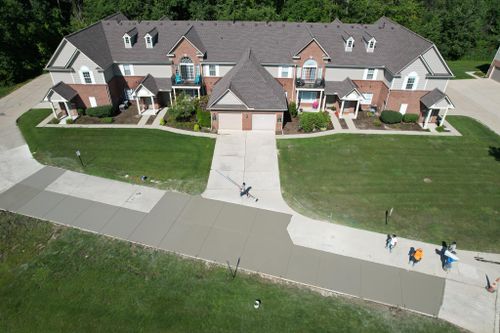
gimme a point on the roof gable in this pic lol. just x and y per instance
(191, 36)
(60, 92)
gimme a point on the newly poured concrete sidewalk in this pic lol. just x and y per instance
(218, 231)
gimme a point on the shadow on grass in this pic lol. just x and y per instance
(495, 152)
(483, 68)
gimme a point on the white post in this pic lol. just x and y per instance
(342, 109)
(53, 109)
(138, 105)
(323, 106)
(198, 92)
(444, 117)
(426, 123)
(320, 99)
(153, 103)
(357, 109)
(297, 99)
(170, 96)
(175, 96)
(68, 111)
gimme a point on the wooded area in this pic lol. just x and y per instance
(30, 30)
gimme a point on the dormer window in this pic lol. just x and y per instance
(126, 40)
(150, 38)
(370, 46)
(129, 38)
(349, 44)
(149, 42)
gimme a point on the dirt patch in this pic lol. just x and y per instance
(404, 127)
(366, 121)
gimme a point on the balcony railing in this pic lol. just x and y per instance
(178, 80)
(311, 84)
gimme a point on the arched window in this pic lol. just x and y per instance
(187, 69)
(411, 81)
(86, 76)
(309, 70)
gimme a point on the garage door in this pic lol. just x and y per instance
(265, 122)
(496, 74)
(230, 121)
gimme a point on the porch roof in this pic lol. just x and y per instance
(432, 98)
(154, 85)
(63, 90)
(341, 88)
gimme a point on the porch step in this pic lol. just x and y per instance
(159, 116)
(144, 120)
(335, 121)
(350, 123)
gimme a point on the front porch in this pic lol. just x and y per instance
(61, 98)
(152, 94)
(435, 107)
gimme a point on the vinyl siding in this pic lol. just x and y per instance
(155, 70)
(224, 69)
(65, 77)
(62, 59)
(340, 74)
(436, 83)
(273, 70)
(418, 67)
(83, 60)
(432, 59)
(229, 99)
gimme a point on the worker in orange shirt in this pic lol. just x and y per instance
(418, 255)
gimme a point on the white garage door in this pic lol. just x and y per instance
(230, 121)
(264, 122)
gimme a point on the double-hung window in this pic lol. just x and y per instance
(410, 83)
(187, 69)
(309, 70)
(285, 72)
(212, 70)
(127, 70)
(87, 78)
(370, 74)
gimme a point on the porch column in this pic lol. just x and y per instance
(342, 109)
(323, 105)
(426, 122)
(170, 96)
(357, 109)
(53, 109)
(297, 99)
(320, 99)
(175, 96)
(68, 110)
(137, 99)
(444, 117)
(153, 103)
(198, 92)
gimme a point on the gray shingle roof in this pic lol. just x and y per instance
(64, 91)
(272, 42)
(432, 97)
(339, 88)
(252, 84)
(156, 85)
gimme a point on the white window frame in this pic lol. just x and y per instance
(187, 65)
(374, 77)
(149, 45)
(370, 46)
(415, 83)
(130, 67)
(129, 94)
(365, 100)
(207, 70)
(85, 69)
(349, 44)
(309, 64)
(309, 92)
(92, 101)
(127, 41)
(403, 108)
(288, 70)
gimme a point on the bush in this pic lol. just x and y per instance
(203, 118)
(54, 121)
(391, 117)
(107, 120)
(410, 118)
(70, 121)
(377, 122)
(310, 121)
(101, 111)
(81, 112)
(196, 127)
(440, 129)
(292, 108)
(162, 121)
(183, 109)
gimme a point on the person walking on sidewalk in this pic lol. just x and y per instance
(453, 248)
(393, 242)
(388, 240)
(417, 256)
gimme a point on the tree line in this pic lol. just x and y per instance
(30, 30)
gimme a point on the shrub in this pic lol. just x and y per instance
(107, 120)
(410, 118)
(70, 121)
(54, 121)
(196, 127)
(162, 121)
(81, 112)
(309, 121)
(440, 129)
(101, 111)
(377, 122)
(183, 109)
(292, 108)
(203, 118)
(391, 117)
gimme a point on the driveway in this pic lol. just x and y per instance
(477, 98)
(250, 157)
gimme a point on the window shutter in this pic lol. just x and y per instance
(299, 72)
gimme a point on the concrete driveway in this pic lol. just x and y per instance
(477, 98)
(250, 157)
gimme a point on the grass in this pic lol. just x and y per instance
(459, 67)
(56, 279)
(441, 188)
(5, 90)
(170, 161)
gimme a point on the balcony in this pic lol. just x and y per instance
(310, 83)
(178, 80)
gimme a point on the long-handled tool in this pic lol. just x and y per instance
(237, 185)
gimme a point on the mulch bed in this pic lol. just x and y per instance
(128, 116)
(291, 126)
(367, 122)
(343, 124)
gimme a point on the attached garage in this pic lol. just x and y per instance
(230, 121)
(264, 122)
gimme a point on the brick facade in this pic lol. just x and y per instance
(412, 98)
(288, 86)
(118, 84)
(312, 51)
(99, 91)
(210, 83)
(185, 49)
(379, 90)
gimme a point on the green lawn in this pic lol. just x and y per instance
(459, 67)
(56, 279)
(170, 161)
(353, 179)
